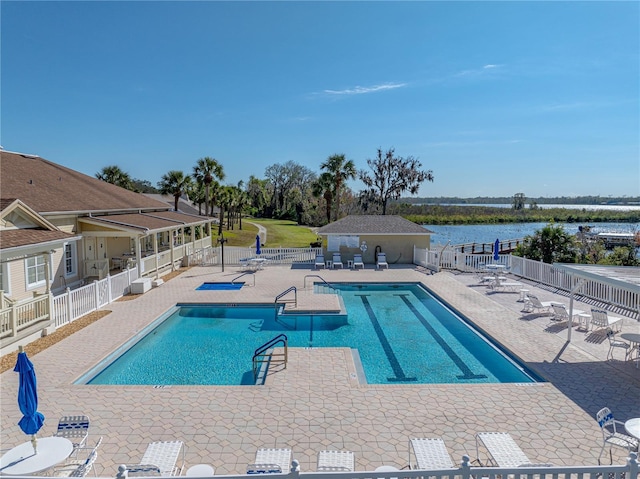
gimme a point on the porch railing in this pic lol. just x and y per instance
(21, 315)
(49, 310)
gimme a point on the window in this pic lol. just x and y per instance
(35, 271)
(69, 259)
(4, 278)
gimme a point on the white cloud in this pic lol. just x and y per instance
(359, 90)
(478, 71)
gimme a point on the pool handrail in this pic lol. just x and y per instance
(260, 353)
(243, 274)
(288, 290)
(321, 279)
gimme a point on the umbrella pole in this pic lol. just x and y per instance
(34, 443)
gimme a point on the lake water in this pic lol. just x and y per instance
(570, 207)
(461, 234)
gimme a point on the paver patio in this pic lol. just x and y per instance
(317, 402)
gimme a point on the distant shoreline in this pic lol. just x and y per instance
(500, 201)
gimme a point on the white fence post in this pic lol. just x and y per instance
(14, 320)
(68, 304)
(109, 294)
(96, 293)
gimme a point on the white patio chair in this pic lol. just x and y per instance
(357, 261)
(337, 261)
(74, 428)
(503, 450)
(270, 460)
(430, 453)
(80, 465)
(533, 305)
(381, 262)
(336, 461)
(143, 470)
(601, 319)
(611, 435)
(616, 344)
(319, 263)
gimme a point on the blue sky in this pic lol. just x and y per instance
(495, 98)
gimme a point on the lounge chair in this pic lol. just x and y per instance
(74, 428)
(357, 261)
(611, 435)
(271, 461)
(533, 305)
(381, 262)
(80, 465)
(430, 453)
(561, 314)
(501, 283)
(503, 450)
(319, 263)
(337, 261)
(336, 461)
(601, 319)
(164, 455)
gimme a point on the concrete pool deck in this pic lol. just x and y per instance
(317, 402)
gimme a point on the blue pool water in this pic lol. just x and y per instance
(402, 334)
(219, 286)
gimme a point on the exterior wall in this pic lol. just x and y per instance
(65, 223)
(399, 248)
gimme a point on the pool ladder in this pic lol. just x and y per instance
(264, 358)
(293, 301)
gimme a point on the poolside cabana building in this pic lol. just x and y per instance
(372, 234)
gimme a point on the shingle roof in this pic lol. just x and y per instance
(373, 225)
(157, 220)
(183, 205)
(48, 187)
(31, 236)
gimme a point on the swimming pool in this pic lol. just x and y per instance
(399, 333)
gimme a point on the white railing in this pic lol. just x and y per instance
(464, 471)
(73, 304)
(234, 255)
(536, 271)
(21, 315)
(96, 267)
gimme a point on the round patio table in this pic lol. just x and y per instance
(633, 427)
(21, 460)
(634, 339)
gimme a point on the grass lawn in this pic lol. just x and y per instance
(236, 237)
(287, 234)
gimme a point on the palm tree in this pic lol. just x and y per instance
(224, 201)
(174, 183)
(323, 186)
(206, 171)
(196, 195)
(340, 170)
(114, 175)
